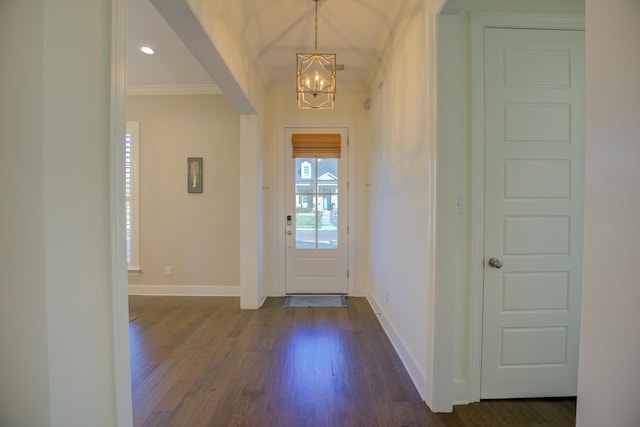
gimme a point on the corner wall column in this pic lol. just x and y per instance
(250, 212)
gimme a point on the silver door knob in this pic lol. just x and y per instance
(289, 232)
(495, 263)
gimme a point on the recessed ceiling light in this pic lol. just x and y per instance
(146, 49)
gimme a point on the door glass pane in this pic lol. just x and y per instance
(316, 203)
(306, 222)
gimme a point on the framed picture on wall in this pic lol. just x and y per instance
(194, 174)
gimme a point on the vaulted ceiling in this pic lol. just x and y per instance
(271, 33)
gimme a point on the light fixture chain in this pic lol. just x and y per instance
(316, 40)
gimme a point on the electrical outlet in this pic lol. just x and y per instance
(167, 270)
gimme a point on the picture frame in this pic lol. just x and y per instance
(194, 174)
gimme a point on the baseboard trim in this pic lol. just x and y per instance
(361, 291)
(418, 377)
(460, 392)
(262, 301)
(273, 291)
(187, 290)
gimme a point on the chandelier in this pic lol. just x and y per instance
(316, 76)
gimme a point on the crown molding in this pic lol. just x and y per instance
(202, 89)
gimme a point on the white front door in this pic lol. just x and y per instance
(534, 195)
(316, 218)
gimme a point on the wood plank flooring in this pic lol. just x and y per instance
(201, 361)
(514, 413)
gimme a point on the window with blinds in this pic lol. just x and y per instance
(131, 196)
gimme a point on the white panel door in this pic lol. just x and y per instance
(316, 219)
(534, 174)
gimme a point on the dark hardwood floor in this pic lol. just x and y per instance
(201, 361)
(514, 413)
(204, 362)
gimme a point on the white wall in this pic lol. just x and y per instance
(197, 234)
(609, 376)
(283, 110)
(57, 365)
(235, 73)
(24, 365)
(251, 213)
(213, 33)
(401, 207)
(225, 23)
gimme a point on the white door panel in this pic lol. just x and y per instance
(316, 215)
(534, 163)
(537, 179)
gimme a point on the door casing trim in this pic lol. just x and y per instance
(480, 21)
(119, 283)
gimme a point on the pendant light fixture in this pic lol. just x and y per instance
(316, 76)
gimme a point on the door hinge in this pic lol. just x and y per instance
(347, 229)
(347, 274)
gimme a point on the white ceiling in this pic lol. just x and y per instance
(172, 63)
(273, 31)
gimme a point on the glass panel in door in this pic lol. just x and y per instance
(316, 203)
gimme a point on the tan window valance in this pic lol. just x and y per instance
(326, 145)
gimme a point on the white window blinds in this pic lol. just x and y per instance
(131, 178)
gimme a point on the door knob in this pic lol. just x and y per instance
(289, 232)
(495, 263)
